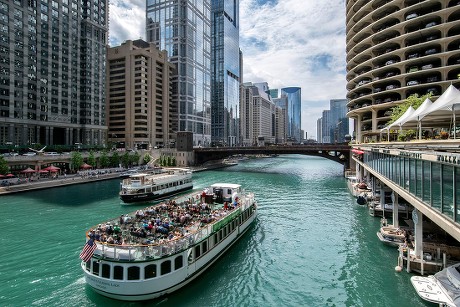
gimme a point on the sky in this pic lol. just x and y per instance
(284, 43)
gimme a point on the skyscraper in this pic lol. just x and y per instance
(52, 71)
(339, 120)
(140, 111)
(294, 112)
(183, 29)
(225, 72)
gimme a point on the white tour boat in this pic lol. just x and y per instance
(141, 187)
(442, 288)
(391, 235)
(157, 250)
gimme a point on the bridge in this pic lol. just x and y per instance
(336, 152)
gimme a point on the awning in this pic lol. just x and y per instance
(357, 151)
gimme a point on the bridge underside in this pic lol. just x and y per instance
(338, 153)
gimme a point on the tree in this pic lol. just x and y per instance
(4, 168)
(147, 158)
(104, 160)
(76, 160)
(115, 159)
(125, 160)
(92, 159)
(134, 158)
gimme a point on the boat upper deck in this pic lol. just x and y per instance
(165, 228)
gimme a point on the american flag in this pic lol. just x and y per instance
(88, 250)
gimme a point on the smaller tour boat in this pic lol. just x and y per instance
(157, 250)
(142, 187)
(442, 288)
(391, 235)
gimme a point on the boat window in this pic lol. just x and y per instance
(133, 273)
(229, 191)
(118, 272)
(96, 268)
(178, 262)
(205, 247)
(166, 267)
(88, 265)
(197, 251)
(150, 271)
(215, 239)
(106, 270)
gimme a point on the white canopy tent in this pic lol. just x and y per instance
(399, 121)
(443, 109)
(414, 120)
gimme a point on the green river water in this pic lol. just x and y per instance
(311, 244)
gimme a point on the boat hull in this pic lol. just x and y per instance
(146, 290)
(143, 197)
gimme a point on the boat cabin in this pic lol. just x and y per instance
(224, 192)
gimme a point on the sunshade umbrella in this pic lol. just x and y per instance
(43, 171)
(85, 166)
(52, 168)
(28, 170)
(10, 175)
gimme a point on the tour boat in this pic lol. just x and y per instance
(442, 288)
(142, 187)
(157, 250)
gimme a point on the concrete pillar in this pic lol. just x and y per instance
(37, 135)
(51, 136)
(47, 135)
(358, 130)
(395, 199)
(67, 139)
(418, 225)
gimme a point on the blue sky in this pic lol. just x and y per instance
(285, 43)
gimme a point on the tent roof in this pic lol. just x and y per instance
(444, 105)
(398, 122)
(414, 118)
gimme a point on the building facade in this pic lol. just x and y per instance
(183, 29)
(225, 73)
(52, 72)
(395, 50)
(294, 112)
(140, 110)
(339, 120)
(258, 116)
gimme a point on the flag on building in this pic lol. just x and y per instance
(88, 250)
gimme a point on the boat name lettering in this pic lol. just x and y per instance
(448, 159)
(415, 155)
(101, 283)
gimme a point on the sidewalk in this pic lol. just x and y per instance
(51, 183)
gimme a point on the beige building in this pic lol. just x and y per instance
(396, 49)
(140, 111)
(258, 124)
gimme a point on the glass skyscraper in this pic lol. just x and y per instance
(52, 71)
(183, 29)
(225, 72)
(294, 112)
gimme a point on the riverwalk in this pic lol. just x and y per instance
(44, 183)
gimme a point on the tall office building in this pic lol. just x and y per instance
(225, 72)
(183, 29)
(258, 116)
(339, 120)
(140, 110)
(394, 50)
(52, 71)
(319, 130)
(326, 127)
(294, 112)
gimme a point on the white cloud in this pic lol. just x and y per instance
(285, 43)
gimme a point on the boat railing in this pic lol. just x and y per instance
(163, 247)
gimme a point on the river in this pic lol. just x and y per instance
(311, 244)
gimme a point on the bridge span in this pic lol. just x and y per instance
(336, 152)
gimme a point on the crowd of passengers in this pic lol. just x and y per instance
(159, 223)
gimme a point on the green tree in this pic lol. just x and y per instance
(134, 158)
(76, 160)
(147, 158)
(104, 160)
(92, 159)
(125, 160)
(4, 168)
(173, 161)
(115, 159)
